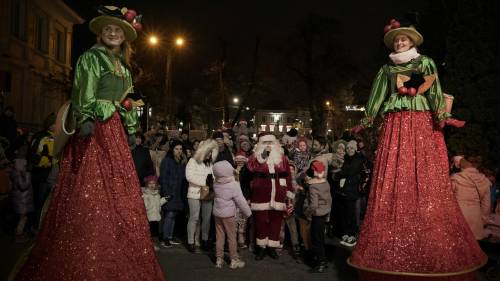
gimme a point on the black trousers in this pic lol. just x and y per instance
(318, 237)
(348, 219)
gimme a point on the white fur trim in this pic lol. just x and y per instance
(273, 244)
(278, 206)
(260, 206)
(204, 148)
(404, 57)
(262, 242)
(267, 138)
(290, 194)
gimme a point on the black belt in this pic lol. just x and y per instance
(271, 176)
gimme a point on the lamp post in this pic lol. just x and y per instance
(177, 43)
(329, 109)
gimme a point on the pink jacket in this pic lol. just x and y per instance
(228, 193)
(472, 190)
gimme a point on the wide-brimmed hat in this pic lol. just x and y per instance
(124, 18)
(401, 26)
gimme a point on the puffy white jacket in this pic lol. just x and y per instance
(153, 202)
(196, 175)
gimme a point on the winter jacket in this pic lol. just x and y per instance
(351, 172)
(319, 200)
(196, 175)
(153, 202)
(21, 192)
(196, 169)
(472, 190)
(173, 182)
(228, 193)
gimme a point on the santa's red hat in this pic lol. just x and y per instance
(318, 168)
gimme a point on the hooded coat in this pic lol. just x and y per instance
(228, 193)
(197, 169)
(472, 190)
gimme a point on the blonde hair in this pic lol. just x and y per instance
(126, 51)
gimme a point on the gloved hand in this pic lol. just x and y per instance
(87, 128)
(131, 140)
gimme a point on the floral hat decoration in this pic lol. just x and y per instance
(127, 19)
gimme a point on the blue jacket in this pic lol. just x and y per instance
(173, 182)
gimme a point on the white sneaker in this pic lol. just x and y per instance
(237, 263)
(350, 242)
(344, 239)
(219, 263)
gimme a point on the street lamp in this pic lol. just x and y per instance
(178, 42)
(236, 100)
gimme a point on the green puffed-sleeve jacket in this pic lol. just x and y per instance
(384, 96)
(101, 82)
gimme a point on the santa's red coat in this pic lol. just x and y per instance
(270, 190)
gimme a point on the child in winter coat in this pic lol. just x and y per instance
(153, 202)
(22, 195)
(319, 202)
(228, 196)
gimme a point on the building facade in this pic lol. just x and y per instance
(35, 57)
(280, 121)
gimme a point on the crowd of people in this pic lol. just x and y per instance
(199, 193)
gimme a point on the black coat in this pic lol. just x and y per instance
(143, 163)
(351, 171)
(173, 182)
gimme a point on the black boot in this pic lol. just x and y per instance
(205, 245)
(296, 254)
(272, 253)
(320, 267)
(259, 253)
(191, 248)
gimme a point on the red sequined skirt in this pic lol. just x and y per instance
(413, 226)
(96, 226)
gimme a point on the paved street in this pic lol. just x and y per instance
(181, 265)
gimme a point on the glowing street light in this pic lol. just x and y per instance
(179, 41)
(236, 100)
(327, 103)
(153, 40)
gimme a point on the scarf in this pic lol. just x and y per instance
(404, 57)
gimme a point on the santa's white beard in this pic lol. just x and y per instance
(274, 157)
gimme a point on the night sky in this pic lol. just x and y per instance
(203, 22)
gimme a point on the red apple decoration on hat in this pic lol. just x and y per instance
(403, 90)
(127, 104)
(387, 28)
(392, 20)
(395, 24)
(130, 15)
(412, 92)
(137, 26)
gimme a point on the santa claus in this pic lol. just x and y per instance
(272, 193)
